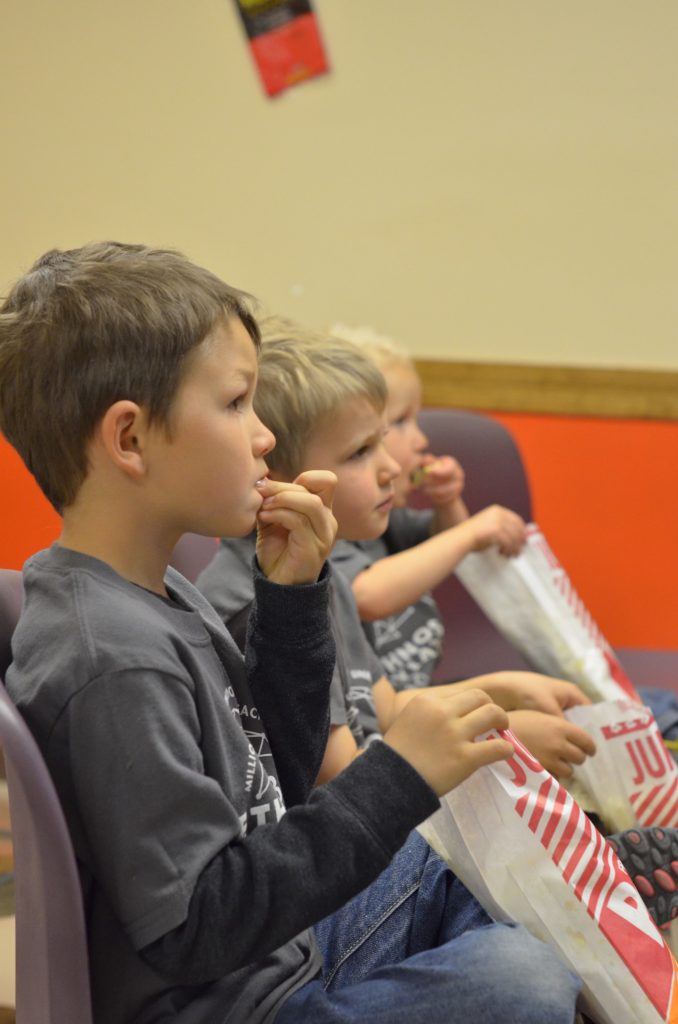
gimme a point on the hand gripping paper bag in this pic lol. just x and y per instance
(631, 780)
(531, 601)
(526, 850)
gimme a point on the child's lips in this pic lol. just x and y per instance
(387, 503)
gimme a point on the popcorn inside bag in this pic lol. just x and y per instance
(632, 779)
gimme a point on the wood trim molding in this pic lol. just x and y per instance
(567, 390)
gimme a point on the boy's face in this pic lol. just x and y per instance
(351, 444)
(205, 473)
(405, 442)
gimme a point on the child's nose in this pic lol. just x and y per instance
(263, 441)
(390, 469)
(421, 440)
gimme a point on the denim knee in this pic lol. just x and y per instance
(493, 973)
(539, 987)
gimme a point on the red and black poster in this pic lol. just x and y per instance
(285, 41)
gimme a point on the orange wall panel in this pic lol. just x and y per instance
(605, 493)
(27, 520)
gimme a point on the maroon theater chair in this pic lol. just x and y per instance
(52, 976)
(495, 475)
(11, 599)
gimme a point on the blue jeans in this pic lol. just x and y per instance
(416, 948)
(664, 706)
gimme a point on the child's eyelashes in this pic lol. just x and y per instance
(404, 420)
(369, 446)
(359, 453)
(365, 449)
(237, 404)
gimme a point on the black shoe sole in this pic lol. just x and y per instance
(650, 855)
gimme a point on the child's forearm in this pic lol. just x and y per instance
(517, 690)
(291, 684)
(359, 820)
(397, 581)
(511, 690)
(402, 697)
(386, 703)
(500, 686)
(447, 516)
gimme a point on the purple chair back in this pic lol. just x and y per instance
(52, 976)
(11, 599)
(494, 475)
(192, 553)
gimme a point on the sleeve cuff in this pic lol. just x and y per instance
(386, 793)
(303, 607)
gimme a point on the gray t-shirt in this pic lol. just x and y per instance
(144, 715)
(409, 644)
(227, 583)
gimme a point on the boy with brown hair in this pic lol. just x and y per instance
(127, 378)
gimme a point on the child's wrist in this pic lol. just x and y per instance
(466, 531)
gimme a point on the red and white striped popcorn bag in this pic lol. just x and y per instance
(530, 598)
(522, 845)
(531, 601)
(632, 779)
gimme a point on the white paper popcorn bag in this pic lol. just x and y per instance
(531, 601)
(631, 780)
(523, 846)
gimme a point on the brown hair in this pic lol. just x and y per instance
(304, 377)
(87, 327)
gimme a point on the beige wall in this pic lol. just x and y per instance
(487, 179)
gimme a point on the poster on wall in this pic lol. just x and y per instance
(285, 41)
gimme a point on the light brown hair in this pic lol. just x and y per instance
(84, 328)
(304, 377)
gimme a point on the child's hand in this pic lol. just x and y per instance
(497, 526)
(529, 691)
(435, 733)
(440, 479)
(295, 527)
(556, 743)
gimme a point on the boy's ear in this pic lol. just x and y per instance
(122, 431)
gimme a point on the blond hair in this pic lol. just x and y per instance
(304, 378)
(381, 349)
